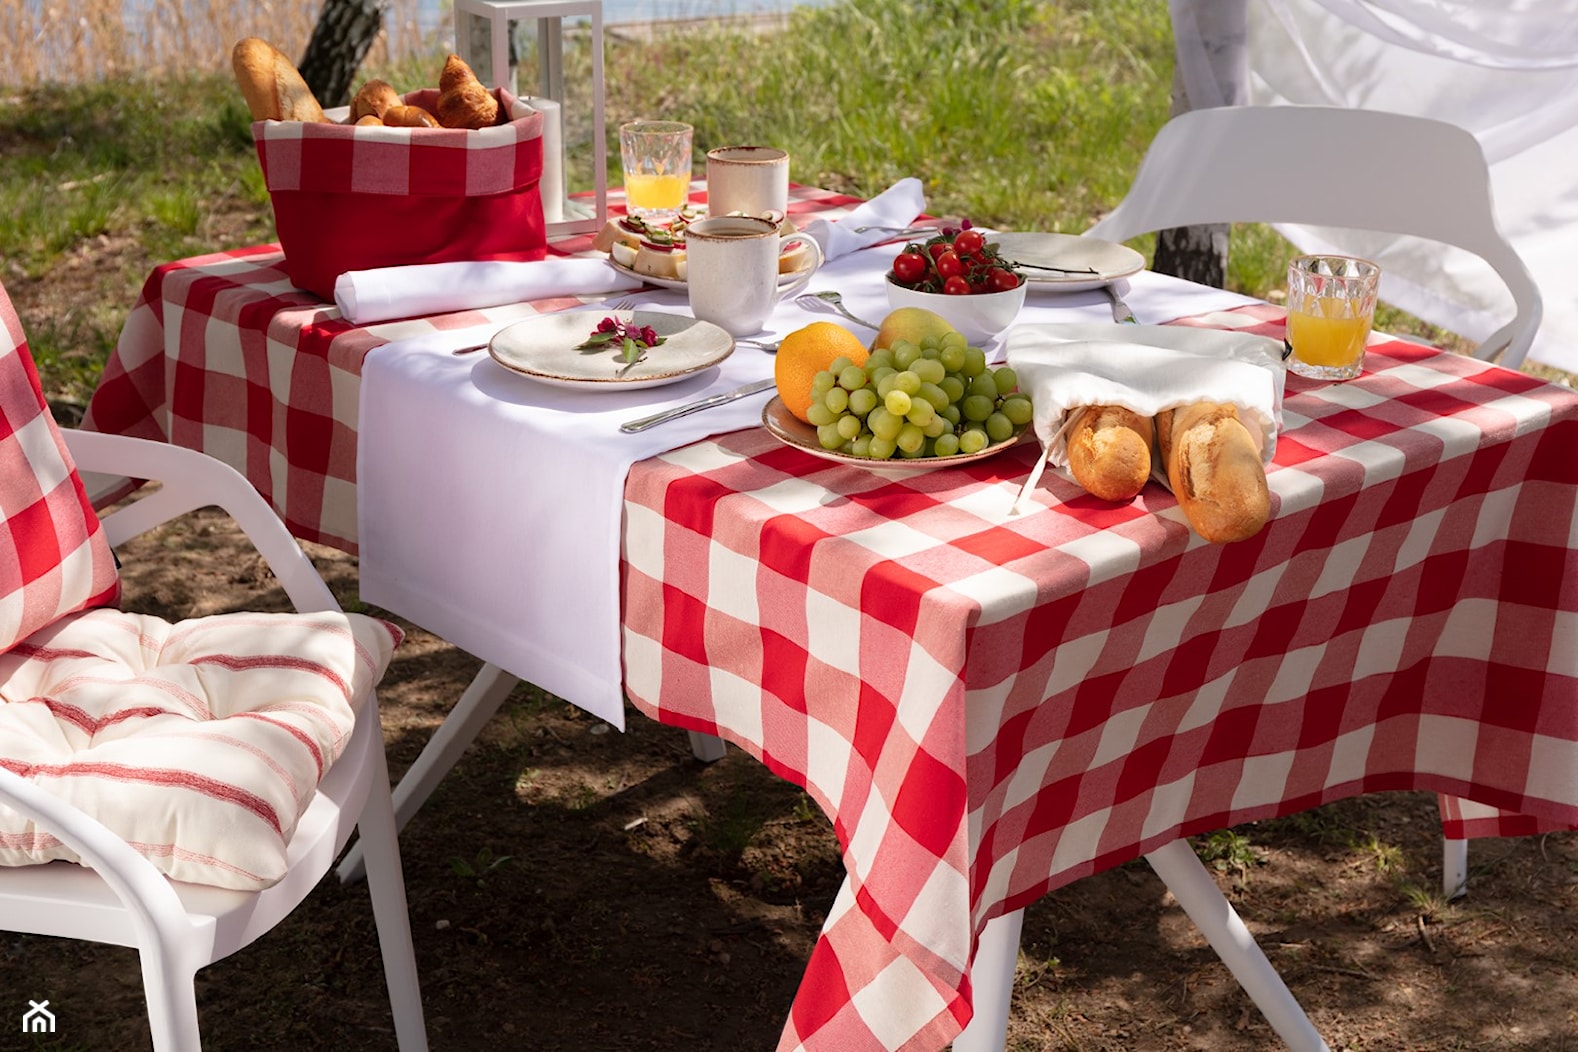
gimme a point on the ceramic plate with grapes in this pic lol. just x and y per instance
(782, 425)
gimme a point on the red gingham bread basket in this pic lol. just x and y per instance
(355, 198)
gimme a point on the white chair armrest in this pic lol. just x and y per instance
(142, 888)
(190, 480)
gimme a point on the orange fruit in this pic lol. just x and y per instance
(804, 353)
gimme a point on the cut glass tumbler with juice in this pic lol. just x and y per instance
(656, 157)
(1331, 306)
(656, 193)
(1321, 336)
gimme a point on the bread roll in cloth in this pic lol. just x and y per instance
(1214, 470)
(1145, 369)
(1110, 450)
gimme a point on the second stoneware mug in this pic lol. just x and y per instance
(733, 274)
(749, 179)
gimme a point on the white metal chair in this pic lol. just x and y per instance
(1285, 164)
(118, 896)
(1331, 167)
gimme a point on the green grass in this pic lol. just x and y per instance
(1015, 113)
(136, 158)
(1012, 113)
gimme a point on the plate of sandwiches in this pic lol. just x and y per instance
(655, 253)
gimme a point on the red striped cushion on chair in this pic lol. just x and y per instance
(199, 743)
(53, 556)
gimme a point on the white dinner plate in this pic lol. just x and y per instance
(545, 348)
(790, 430)
(1108, 259)
(679, 283)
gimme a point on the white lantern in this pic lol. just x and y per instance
(483, 34)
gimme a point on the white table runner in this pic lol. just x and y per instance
(490, 505)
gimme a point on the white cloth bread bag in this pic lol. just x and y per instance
(1146, 369)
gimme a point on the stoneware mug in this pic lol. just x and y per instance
(732, 270)
(749, 179)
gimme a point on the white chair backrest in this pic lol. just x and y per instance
(1329, 166)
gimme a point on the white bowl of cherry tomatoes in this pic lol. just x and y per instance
(959, 275)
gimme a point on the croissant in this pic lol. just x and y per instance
(374, 98)
(462, 100)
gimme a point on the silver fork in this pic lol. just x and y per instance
(899, 231)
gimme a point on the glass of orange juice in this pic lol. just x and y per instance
(1331, 306)
(656, 156)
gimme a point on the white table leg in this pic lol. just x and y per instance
(992, 981)
(1454, 868)
(705, 747)
(460, 728)
(1186, 877)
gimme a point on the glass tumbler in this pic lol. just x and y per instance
(1331, 307)
(656, 156)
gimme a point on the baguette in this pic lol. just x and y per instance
(1109, 451)
(271, 83)
(1214, 468)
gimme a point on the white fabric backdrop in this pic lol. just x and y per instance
(1507, 70)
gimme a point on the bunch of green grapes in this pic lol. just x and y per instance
(932, 399)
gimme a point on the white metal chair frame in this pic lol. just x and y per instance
(1286, 164)
(117, 896)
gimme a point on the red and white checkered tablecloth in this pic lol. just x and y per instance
(991, 706)
(221, 353)
(988, 706)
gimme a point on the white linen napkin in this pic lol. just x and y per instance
(897, 206)
(1147, 369)
(366, 296)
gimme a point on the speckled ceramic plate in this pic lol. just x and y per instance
(1107, 260)
(546, 348)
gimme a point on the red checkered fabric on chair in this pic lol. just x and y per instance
(54, 559)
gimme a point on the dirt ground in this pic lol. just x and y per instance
(577, 888)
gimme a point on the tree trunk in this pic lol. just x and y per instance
(1212, 39)
(340, 41)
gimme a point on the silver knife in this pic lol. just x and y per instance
(1120, 310)
(630, 427)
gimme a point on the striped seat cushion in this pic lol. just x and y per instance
(53, 556)
(199, 742)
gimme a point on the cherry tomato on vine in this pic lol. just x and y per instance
(949, 265)
(956, 286)
(1001, 279)
(969, 242)
(910, 267)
